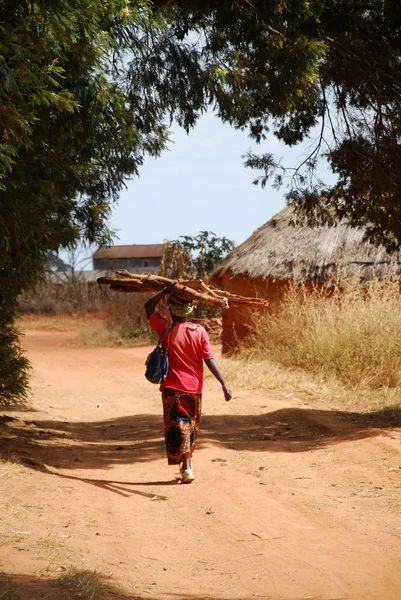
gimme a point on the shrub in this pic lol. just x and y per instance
(14, 367)
(123, 315)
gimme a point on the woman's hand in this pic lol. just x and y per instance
(215, 370)
(170, 286)
(227, 392)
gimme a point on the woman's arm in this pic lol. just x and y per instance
(214, 368)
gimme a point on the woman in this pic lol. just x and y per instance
(188, 346)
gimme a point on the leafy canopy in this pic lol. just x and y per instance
(290, 66)
(88, 89)
(80, 107)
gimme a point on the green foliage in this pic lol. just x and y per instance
(88, 88)
(14, 367)
(288, 66)
(195, 257)
(80, 108)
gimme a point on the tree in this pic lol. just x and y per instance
(79, 257)
(55, 263)
(291, 65)
(78, 114)
(88, 88)
(195, 257)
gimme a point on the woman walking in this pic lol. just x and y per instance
(188, 347)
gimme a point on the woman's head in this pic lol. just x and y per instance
(180, 307)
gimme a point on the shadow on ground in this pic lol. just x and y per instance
(32, 588)
(139, 438)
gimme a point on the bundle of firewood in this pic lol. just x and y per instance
(196, 289)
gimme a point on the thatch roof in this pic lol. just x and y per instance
(279, 250)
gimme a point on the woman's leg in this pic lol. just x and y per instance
(182, 413)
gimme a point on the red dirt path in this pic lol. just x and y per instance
(291, 500)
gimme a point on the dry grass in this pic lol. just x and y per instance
(126, 316)
(246, 372)
(47, 322)
(86, 585)
(121, 318)
(8, 589)
(122, 322)
(72, 298)
(97, 334)
(8, 462)
(345, 345)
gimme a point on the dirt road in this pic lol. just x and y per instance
(291, 500)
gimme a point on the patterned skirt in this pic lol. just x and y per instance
(181, 413)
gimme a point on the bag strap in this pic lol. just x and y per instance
(159, 343)
(169, 333)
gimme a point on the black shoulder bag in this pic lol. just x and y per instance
(157, 361)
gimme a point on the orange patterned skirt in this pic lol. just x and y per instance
(181, 413)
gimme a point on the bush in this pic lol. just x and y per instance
(14, 367)
(123, 318)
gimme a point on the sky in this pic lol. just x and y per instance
(200, 184)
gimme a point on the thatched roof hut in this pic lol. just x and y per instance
(279, 251)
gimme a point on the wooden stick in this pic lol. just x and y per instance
(196, 289)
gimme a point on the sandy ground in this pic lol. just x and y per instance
(291, 500)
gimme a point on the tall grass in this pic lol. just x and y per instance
(125, 314)
(352, 334)
(121, 317)
(124, 322)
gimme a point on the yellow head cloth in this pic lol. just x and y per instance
(180, 307)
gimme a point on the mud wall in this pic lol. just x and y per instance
(236, 320)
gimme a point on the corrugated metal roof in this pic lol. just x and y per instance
(132, 251)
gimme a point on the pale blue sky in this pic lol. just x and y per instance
(199, 184)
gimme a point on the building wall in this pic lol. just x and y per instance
(135, 265)
(236, 320)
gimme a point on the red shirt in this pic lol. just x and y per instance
(188, 346)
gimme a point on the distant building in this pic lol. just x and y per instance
(137, 258)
